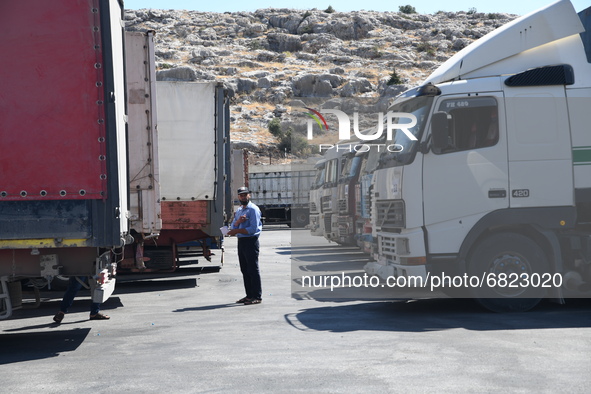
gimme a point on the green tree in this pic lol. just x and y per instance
(394, 79)
(275, 127)
(407, 9)
(300, 146)
(289, 141)
(329, 10)
(430, 49)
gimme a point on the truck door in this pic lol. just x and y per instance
(540, 158)
(468, 178)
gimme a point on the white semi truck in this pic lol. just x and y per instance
(329, 202)
(496, 188)
(316, 222)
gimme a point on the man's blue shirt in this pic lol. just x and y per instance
(253, 223)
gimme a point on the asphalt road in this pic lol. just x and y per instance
(185, 334)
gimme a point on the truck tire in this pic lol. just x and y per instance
(507, 255)
(299, 219)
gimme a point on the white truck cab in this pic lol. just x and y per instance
(498, 181)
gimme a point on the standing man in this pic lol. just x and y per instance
(247, 227)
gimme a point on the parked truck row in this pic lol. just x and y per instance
(493, 180)
(102, 167)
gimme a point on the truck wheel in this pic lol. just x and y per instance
(501, 260)
(299, 219)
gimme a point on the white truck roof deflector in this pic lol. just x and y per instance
(548, 24)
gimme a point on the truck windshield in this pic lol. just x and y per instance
(351, 167)
(407, 148)
(319, 179)
(372, 160)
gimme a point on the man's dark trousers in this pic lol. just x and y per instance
(248, 255)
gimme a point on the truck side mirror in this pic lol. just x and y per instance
(440, 130)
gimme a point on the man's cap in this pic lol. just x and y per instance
(243, 190)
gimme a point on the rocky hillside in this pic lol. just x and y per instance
(272, 56)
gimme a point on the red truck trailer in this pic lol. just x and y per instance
(63, 172)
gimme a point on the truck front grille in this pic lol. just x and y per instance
(344, 226)
(390, 214)
(313, 207)
(387, 247)
(327, 223)
(326, 204)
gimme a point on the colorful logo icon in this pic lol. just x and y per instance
(318, 118)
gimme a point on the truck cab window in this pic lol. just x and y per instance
(473, 123)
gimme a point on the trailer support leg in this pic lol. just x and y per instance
(5, 304)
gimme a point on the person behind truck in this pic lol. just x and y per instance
(492, 134)
(247, 227)
(75, 283)
(482, 137)
(473, 136)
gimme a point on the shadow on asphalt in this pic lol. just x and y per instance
(21, 347)
(50, 300)
(331, 267)
(208, 307)
(48, 308)
(181, 271)
(144, 286)
(297, 251)
(437, 315)
(276, 227)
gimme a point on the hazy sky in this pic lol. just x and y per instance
(519, 7)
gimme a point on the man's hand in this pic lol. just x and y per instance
(235, 231)
(241, 219)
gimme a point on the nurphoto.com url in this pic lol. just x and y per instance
(434, 282)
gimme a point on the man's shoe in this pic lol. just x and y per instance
(253, 301)
(243, 300)
(58, 317)
(99, 316)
